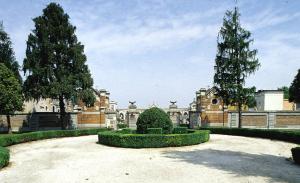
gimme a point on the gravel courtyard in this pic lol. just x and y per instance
(81, 159)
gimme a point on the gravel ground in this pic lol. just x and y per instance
(81, 159)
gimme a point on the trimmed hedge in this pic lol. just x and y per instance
(296, 154)
(154, 130)
(154, 118)
(184, 125)
(11, 139)
(126, 130)
(122, 125)
(4, 157)
(180, 130)
(152, 140)
(283, 135)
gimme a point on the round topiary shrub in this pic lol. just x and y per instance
(154, 118)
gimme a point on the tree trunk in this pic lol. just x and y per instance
(240, 115)
(223, 113)
(8, 124)
(62, 112)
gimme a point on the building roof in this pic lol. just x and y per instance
(269, 91)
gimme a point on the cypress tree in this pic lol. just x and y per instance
(235, 61)
(55, 62)
(294, 90)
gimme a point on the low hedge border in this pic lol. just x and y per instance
(118, 139)
(180, 130)
(154, 131)
(4, 157)
(11, 139)
(274, 134)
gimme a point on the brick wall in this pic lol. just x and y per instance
(214, 117)
(287, 120)
(255, 120)
(271, 119)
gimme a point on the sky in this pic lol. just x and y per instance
(155, 51)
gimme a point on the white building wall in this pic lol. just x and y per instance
(273, 101)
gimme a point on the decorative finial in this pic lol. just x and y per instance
(132, 103)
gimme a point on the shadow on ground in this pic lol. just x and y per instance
(274, 168)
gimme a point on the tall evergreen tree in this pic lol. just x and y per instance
(294, 90)
(285, 90)
(55, 62)
(235, 61)
(7, 55)
(11, 97)
(221, 76)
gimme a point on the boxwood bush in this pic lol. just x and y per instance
(274, 134)
(154, 118)
(154, 130)
(296, 154)
(180, 130)
(11, 139)
(126, 130)
(112, 138)
(122, 125)
(4, 157)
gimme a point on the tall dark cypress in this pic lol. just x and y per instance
(234, 62)
(55, 62)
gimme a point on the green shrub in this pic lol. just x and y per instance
(296, 154)
(4, 157)
(283, 135)
(12, 139)
(126, 131)
(154, 118)
(180, 130)
(152, 140)
(154, 130)
(184, 125)
(122, 125)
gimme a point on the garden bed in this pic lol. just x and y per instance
(133, 140)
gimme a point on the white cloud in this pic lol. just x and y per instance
(269, 17)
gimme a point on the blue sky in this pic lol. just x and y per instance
(157, 51)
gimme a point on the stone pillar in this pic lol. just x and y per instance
(73, 120)
(111, 119)
(132, 115)
(174, 113)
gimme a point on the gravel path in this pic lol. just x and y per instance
(222, 159)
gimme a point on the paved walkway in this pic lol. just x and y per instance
(81, 159)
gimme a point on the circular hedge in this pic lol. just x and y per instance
(154, 118)
(132, 140)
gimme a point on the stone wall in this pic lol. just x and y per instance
(37, 121)
(213, 118)
(275, 119)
